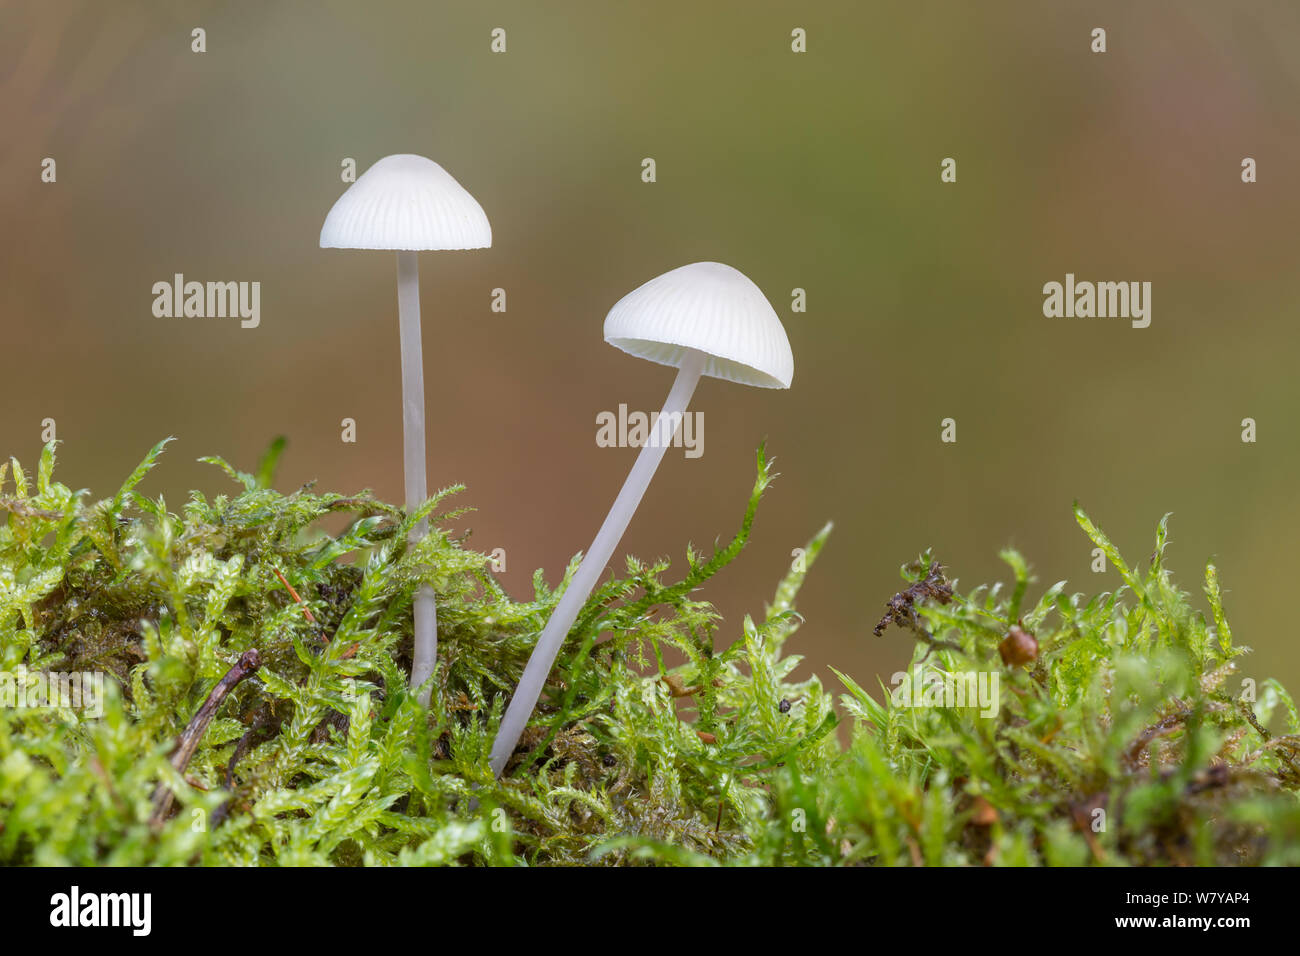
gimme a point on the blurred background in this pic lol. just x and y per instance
(818, 170)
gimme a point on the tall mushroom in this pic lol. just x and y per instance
(408, 203)
(703, 319)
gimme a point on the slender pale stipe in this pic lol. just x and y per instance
(417, 490)
(593, 563)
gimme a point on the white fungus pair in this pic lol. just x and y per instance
(702, 319)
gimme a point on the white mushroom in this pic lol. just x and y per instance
(409, 203)
(703, 319)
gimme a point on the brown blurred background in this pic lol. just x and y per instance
(816, 170)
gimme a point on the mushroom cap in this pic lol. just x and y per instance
(710, 307)
(406, 202)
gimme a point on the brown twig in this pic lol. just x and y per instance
(301, 603)
(189, 739)
(260, 720)
(1166, 725)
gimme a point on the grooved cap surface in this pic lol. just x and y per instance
(710, 307)
(406, 202)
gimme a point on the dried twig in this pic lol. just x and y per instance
(1166, 725)
(301, 603)
(189, 739)
(246, 743)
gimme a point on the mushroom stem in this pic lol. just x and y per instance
(593, 563)
(408, 314)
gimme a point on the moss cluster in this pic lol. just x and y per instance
(257, 711)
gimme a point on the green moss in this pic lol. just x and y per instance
(661, 739)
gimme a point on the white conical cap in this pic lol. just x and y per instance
(711, 307)
(406, 202)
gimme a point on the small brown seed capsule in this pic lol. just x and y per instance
(676, 686)
(1018, 648)
(983, 814)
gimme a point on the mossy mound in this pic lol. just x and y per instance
(256, 708)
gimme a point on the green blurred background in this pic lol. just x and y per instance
(816, 170)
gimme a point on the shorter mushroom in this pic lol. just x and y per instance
(408, 203)
(702, 319)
